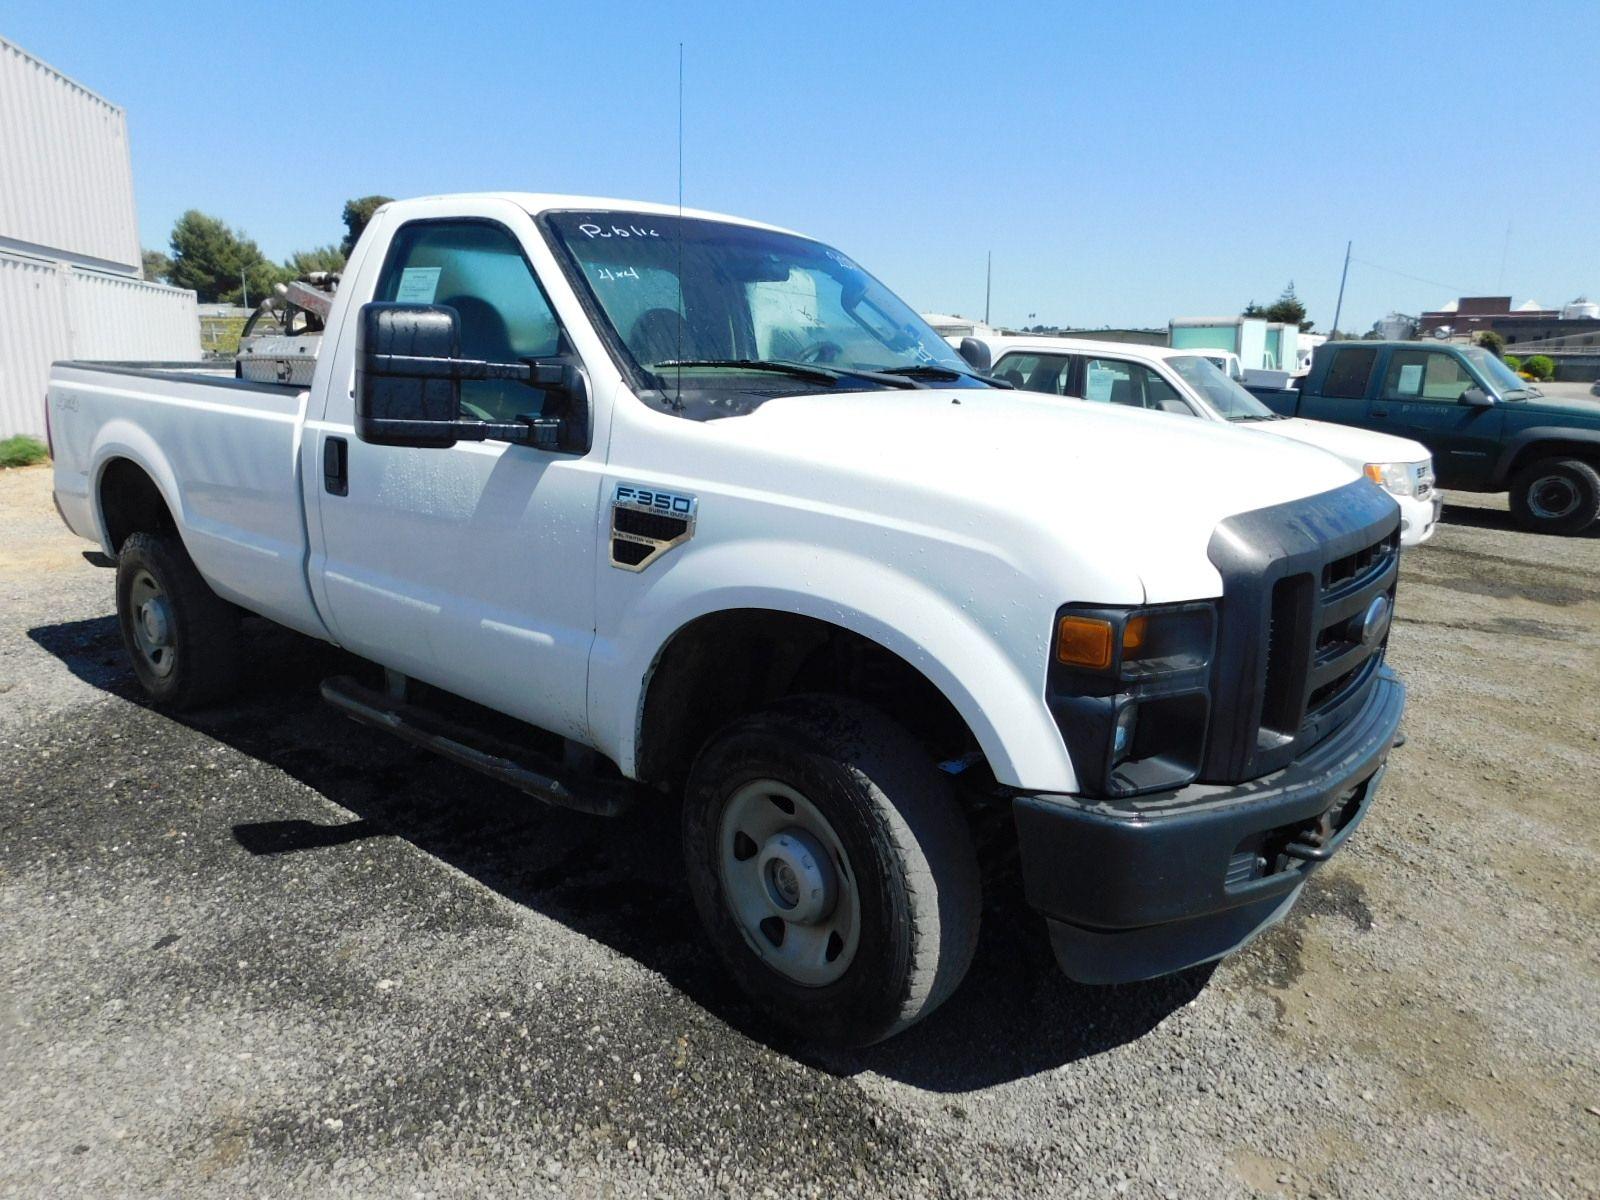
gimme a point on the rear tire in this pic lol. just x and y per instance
(182, 637)
(832, 868)
(1556, 495)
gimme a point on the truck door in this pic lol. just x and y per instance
(1421, 398)
(471, 567)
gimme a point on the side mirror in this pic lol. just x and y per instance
(976, 353)
(396, 405)
(1475, 397)
(408, 385)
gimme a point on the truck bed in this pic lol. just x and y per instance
(224, 453)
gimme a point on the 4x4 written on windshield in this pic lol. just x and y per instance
(715, 317)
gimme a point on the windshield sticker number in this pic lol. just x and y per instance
(418, 285)
(611, 274)
(591, 230)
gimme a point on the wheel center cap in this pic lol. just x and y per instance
(800, 882)
(157, 621)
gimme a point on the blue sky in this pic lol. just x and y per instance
(1125, 164)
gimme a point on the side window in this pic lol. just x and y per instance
(1035, 372)
(1426, 375)
(477, 269)
(1349, 373)
(1114, 381)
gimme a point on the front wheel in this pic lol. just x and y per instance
(832, 869)
(1557, 495)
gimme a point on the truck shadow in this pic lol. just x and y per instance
(620, 882)
(1495, 518)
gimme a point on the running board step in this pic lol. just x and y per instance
(536, 775)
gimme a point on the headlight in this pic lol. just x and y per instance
(1130, 690)
(1395, 478)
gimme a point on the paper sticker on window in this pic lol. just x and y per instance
(418, 285)
(1410, 379)
(1099, 382)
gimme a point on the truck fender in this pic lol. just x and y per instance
(121, 438)
(1587, 438)
(984, 678)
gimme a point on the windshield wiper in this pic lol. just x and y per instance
(934, 371)
(815, 372)
(1258, 417)
(796, 370)
(925, 371)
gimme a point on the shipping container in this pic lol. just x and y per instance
(66, 177)
(53, 310)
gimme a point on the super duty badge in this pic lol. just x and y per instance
(646, 523)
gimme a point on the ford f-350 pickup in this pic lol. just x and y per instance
(714, 516)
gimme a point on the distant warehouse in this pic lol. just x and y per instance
(70, 284)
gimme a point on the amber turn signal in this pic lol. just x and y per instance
(1084, 642)
(1133, 634)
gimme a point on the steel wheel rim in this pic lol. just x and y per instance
(1553, 497)
(787, 883)
(151, 619)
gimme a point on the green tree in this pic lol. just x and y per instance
(1288, 309)
(156, 265)
(218, 263)
(1491, 341)
(1254, 310)
(1512, 361)
(323, 258)
(356, 215)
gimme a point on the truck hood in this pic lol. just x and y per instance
(1356, 446)
(1115, 493)
(1568, 410)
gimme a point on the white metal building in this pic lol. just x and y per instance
(70, 283)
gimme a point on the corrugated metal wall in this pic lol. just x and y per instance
(51, 311)
(66, 178)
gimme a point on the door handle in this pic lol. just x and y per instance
(1378, 412)
(336, 466)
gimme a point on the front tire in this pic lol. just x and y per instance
(182, 637)
(832, 869)
(1556, 495)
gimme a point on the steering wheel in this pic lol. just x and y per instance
(821, 352)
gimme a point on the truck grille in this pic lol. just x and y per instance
(1308, 591)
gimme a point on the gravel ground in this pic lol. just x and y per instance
(263, 951)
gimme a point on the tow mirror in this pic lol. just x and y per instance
(976, 353)
(1475, 397)
(409, 371)
(395, 404)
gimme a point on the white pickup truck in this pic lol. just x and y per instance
(714, 516)
(1191, 383)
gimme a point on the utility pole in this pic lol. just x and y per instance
(244, 287)
(1339, 307)
(988, 280)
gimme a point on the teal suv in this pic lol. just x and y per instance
(1489, 429)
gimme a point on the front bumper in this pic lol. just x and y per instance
(1136, 890)
(1419, 517)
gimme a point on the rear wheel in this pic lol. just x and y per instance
(1556, 495)
(182, 637)
(832, 868)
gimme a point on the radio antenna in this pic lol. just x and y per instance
(677, 397)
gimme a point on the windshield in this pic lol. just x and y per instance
(1224, 395)
(1501, 377)
(725, 315)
